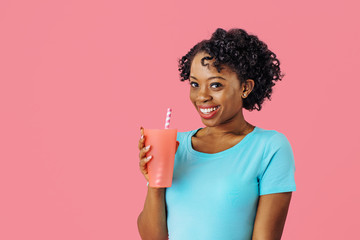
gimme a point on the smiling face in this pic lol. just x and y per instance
(216, 96)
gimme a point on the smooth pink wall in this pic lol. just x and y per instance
(78, 79)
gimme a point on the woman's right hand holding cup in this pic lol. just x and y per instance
(142, 155)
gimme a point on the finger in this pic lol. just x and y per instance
(141, 142)
(142, 138)
(177, 145)
(143, 151)
(143, 162)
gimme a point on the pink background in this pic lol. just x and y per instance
(78, 79)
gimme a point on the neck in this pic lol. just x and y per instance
(235, 126)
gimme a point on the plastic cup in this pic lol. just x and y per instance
(162, 150)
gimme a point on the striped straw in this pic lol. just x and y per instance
(168, 116)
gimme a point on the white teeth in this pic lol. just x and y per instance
(207, 110)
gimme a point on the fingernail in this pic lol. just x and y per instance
(142, 136)
(148, 158)
(147, 147)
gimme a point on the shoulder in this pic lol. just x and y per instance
(184, 134)
(272, 139)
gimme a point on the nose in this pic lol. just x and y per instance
(203, 95)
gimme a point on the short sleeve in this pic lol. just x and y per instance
(278, 167)
(180, 137)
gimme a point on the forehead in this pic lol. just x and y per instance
(198, 68)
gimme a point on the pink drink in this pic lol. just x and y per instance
(162, 150)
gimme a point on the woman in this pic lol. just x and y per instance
(232, 180)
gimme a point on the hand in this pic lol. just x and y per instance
(142, 155)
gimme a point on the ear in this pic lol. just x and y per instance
(248, 86)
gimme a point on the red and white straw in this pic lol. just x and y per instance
(168, 116)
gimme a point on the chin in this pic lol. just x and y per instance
(209, 123)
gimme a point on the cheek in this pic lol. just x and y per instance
(223, 97)
(232, 99)
(192, 96)
(234, 95)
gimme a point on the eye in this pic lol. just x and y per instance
(217, 85)
(193, 84)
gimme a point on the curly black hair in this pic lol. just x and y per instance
(244, 54)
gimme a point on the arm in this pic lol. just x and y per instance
(152, 220)
(271, 215)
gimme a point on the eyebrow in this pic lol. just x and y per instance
(209, 77)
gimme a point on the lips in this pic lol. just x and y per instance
(205, 106)
(209, 111)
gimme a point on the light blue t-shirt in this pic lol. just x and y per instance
(214, 196)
